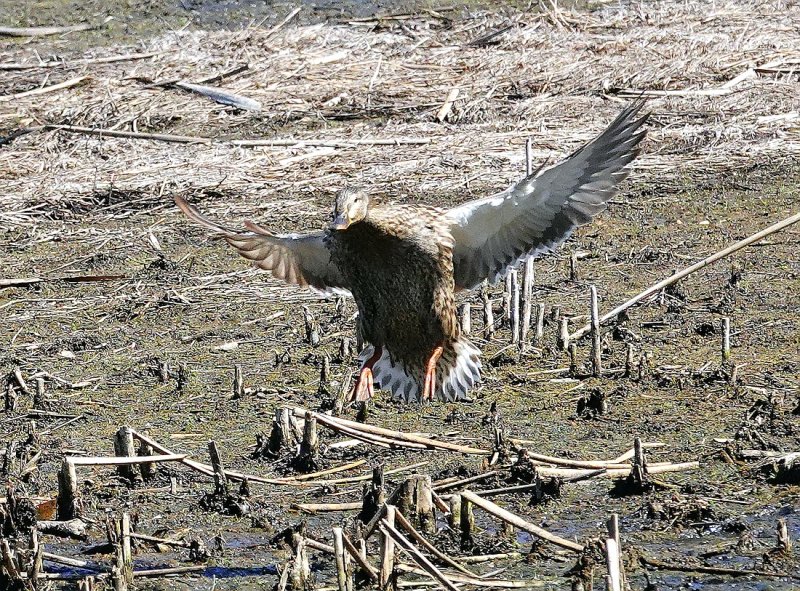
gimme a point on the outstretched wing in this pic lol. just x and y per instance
(539, 212)
(300, 259)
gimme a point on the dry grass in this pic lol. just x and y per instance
(555, 77)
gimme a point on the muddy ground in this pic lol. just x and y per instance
(192, 305)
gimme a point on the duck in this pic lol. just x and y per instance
(404, 263)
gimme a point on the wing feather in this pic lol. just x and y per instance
(299, 259)
(539, 212)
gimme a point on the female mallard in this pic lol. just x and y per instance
(403, 263)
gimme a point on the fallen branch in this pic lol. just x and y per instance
(45, 89)
(23, 281)
(401, 439)
(714, 570)
(726, 88)
(416, 555)
(165, 541)
(221, 96)
(496, 583)
(317, 545)
(455, 482)
(364, 434)
(520, 523)
(325, 507)
(335, 470)
(207, 470)
(163, 572)
(615, 473)
(489, 557)
(188, 139)
(80, 63)
(364, 477)
(689, 270)
(74, 528)
(593, 464)
(123, 460)
(629, 454)
(43, 31)
(371, 571)
(406, 524)
(78, 563)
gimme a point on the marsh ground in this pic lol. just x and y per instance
(713, 172)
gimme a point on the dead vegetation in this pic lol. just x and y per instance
(115, 312)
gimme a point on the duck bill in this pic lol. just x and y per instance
(340, 223)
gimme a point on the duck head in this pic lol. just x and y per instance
(352, 206)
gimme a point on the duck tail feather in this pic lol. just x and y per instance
(458, 371)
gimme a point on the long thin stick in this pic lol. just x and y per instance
(79, 63)
(520, 523)
(715, 570)
(594, 313)
(689, 270)
(362, 561)
(405, 524)
(187, 139)
(207, 470)
(44, 89)
(318, 507)
(387, 550)
(416, 555)
(399, 436)
(341, 569)
(119, 461)
(491, 583)
(43, 31)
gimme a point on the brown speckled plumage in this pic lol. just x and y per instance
(403, 263)
(398, 262)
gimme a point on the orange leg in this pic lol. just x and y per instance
(429, 388)
(364, 388)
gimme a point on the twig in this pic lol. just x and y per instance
(402, 439)
(45, 89)
(326, 507)
(714, 570)
(520, 523)
(80, 63)
(447, 106)
(43, 31)
(277, 142)
(389, 529)
(448, 484)
(689, 270)
(371, 571)
(489, 557)
(281, 24)
(726, 88)
(406, 524)
(492, 583)
(221, 96)
(120, 461)
(22, 281)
